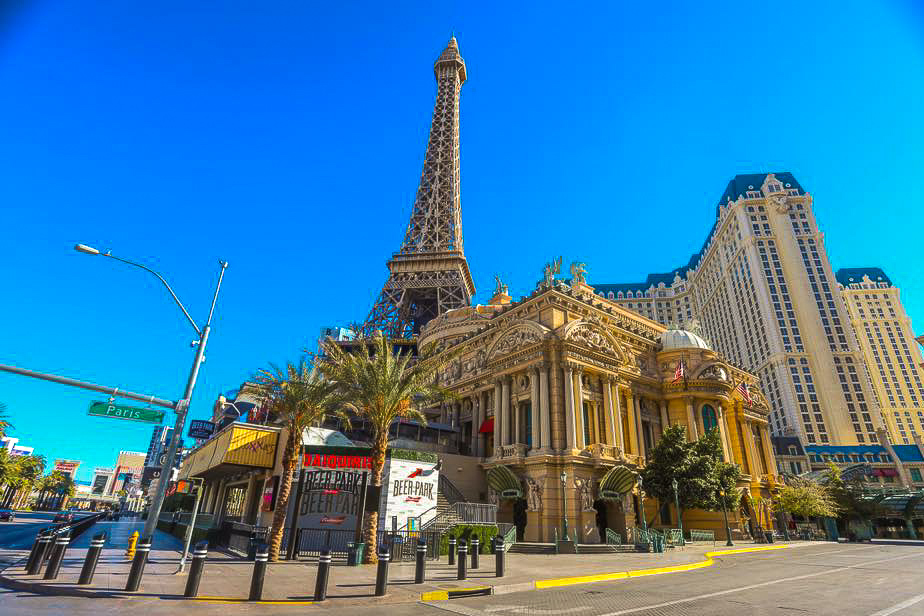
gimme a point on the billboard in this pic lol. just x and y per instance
(67, 466)
(201, 429)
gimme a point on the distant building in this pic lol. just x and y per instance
(11, 444)
(893, 359)
(128, 470)
(102, 479)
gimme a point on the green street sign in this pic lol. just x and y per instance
(119, 411)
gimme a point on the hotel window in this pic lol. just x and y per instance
(916, 474)
(710, 419)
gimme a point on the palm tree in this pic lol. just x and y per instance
(379, 386)
(4, 424)
(298, 397)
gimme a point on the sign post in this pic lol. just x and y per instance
(121, 411)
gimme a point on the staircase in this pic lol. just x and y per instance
(444, 516)
(522, 547)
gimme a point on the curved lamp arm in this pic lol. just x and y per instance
(92, 251)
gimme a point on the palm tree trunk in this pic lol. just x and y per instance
(371, 525)
(289, 462)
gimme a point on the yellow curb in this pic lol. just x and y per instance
(443, 595)
(606, 577)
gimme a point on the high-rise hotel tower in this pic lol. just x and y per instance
(892, 355)
(763, 292)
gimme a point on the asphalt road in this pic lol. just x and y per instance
(815, 579)
(20, 533)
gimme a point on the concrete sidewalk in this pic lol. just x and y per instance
(227, 578)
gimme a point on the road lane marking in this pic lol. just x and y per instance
(758, 585)
(899, 606)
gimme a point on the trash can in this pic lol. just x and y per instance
(355, 553)
(769, 536)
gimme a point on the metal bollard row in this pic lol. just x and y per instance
(260, 558)
(381, 576)
(499, 557)
(462, 574)
(475, 546)
(138, 563)
(200, 553)
(420, 565)
(36, 559)
(452, 550)
(320, 585)
(89, 564)
(57, 555)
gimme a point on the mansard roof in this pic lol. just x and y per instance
(854, 275)
(740, 184)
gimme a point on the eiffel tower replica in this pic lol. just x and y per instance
(430, 275)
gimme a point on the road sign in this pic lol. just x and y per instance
(199, 428)
(119, 411)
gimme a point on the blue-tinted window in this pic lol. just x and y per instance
(710, 419)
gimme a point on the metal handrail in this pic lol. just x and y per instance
(702, 535)
(612, 537)
(452, 494)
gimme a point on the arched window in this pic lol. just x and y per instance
(610, 295)
(710, 419)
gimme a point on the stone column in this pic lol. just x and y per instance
(534, 405)
(505, 409)
(692, 432)
(634, 435)
(570, 442)
(498, 418)
(767, 453)
(545, 413)
(748, 439)
(579, 409)
(610, 436)
(638, 426)
(617, 414)
(726, 446)
(665, 418)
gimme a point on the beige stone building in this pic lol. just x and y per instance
(764, 291)
(889, 348)
(566, 382)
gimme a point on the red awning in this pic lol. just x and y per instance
(487, 426)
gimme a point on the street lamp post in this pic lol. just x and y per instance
(564, 507)
(182, 406)
(641, 497)
(728, 540)
(677, 507)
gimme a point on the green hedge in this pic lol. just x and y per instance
(465, 531)
(199, 534)
(413, 456)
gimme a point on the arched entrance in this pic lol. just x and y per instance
(610, 515)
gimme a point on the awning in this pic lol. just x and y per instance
(502, 479)
(236, 447)
(617, 481)
(487, 426)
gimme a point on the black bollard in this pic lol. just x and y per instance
(381, 575)
(35, 547)
(452, 550)
(200, 552)
(89, 565)
(57, 555)
(261, 555)
(138, 562)
(475, 547)
(462, 574)
(45, 542)
(320, 584)
(419, 566)
(499, 556)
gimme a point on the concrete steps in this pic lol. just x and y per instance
(522, 547)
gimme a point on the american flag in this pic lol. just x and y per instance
(678, 373)
(743, 388)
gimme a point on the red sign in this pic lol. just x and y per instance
(332, 461)
(333, 520)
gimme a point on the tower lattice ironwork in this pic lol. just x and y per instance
(430, 275)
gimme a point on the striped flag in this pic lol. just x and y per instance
(679, 372)
(743, 388)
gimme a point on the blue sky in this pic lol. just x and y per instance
(288, 138)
